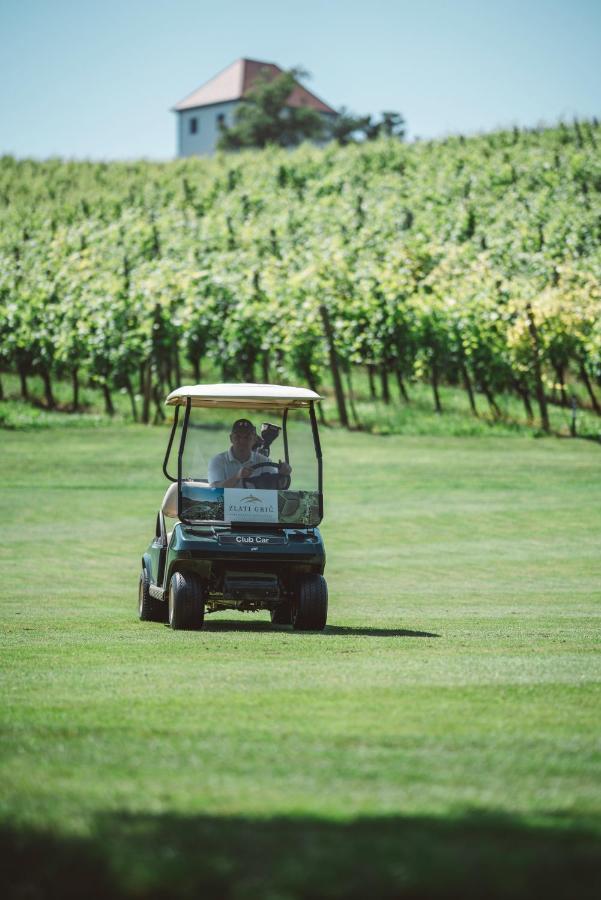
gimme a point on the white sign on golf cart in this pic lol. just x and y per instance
(243, 505)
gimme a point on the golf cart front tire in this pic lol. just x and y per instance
(310, 605)
(149, 609)
(186, 602)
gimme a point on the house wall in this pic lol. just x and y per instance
(204, 142)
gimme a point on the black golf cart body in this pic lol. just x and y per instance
(250, 548)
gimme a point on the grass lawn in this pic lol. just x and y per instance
(440, 739)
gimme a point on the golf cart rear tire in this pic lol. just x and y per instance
(186, 602)
(149, 609)
(310, 606)
(281, 615)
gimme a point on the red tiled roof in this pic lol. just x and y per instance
(235, 82)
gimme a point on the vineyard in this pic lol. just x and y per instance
(472, 262)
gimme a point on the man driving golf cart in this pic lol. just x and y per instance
(246, 538)
(247, 453)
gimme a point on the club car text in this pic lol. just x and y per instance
(241, 539)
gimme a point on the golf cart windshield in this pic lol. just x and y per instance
(249, 466)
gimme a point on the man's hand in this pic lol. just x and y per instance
(233, 480)
(284, 468)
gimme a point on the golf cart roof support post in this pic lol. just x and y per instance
(169, 445)
(180, 456)
(317, 444)
(285, 434)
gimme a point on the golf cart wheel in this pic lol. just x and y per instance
(186, 602)
(149, 609)
(310, 605)
(281, 615)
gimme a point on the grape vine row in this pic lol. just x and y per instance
(473, 262)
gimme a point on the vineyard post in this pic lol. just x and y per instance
(265, 367)
(108, 400)
(23, 382)
(177, 364)
(50, 401)
(132, 397)
(468, 386)
(372, 382)
(384, 383)
(75, 387)
(338, 390)
(490, 397)
(159, 415)
(196, 368)
(589, 388)
(308, 375)
(401, 384)
(146, 372)
(351, 396)
(434, 383)
(538, 378)
(560, 375)
(522, 391)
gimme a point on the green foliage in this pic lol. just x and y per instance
(266, 118)
(474, 263)
(392, 124)
(347, 127)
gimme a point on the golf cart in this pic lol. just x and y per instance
(251, 546)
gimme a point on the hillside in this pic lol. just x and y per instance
(473, 263)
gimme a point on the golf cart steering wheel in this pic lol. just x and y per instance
(267, 480)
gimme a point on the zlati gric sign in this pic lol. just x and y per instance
(200, 503)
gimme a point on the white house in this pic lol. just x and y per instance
(201, 114)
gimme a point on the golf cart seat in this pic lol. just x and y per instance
(169, 504)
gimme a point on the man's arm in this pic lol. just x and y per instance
(217, 472)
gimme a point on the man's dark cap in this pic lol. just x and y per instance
(244, 425)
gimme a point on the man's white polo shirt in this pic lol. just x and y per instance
(225, 465)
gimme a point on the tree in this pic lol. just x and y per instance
(265, 117)
(392, 124)
(346, 127)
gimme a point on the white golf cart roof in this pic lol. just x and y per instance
(243, 396)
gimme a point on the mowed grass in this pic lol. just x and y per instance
(441, 738)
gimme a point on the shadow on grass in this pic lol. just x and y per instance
(378, 632)
(470, 856)
(331, 630)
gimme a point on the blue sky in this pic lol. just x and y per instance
(87, 79)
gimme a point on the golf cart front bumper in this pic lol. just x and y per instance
(207, 550)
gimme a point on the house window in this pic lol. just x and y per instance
(220, 121)
(193, 125)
